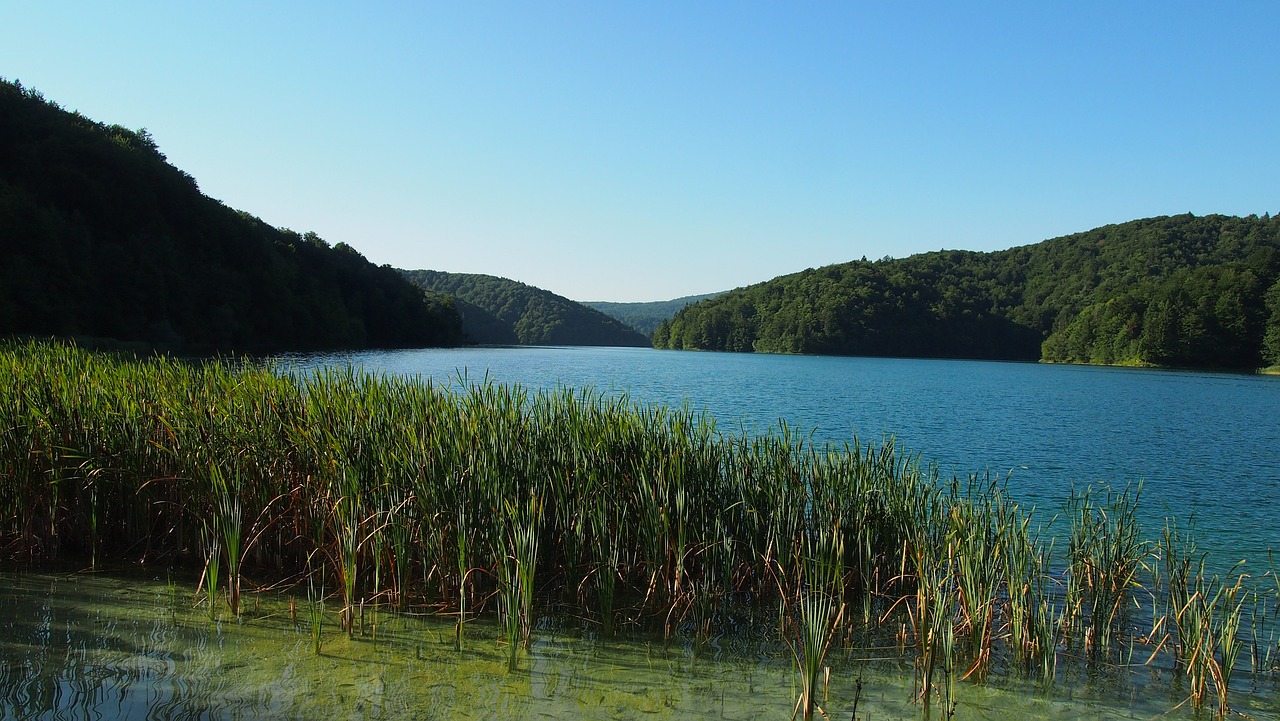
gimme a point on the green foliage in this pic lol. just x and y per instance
(645, 317)
(937, 304)
(1178, 291)
(101, 237)
(498, 311)
(1271, 333)
(1206, 316)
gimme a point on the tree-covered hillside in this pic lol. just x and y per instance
(1176, 291)
(501, 311)
(100, 236)
(645, 317)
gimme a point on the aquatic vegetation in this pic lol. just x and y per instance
(476, 501)
(811, 595)
(517, 571)
(1207, 612)
(315, 612)
(1105, 554)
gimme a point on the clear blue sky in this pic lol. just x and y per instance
(643, 151)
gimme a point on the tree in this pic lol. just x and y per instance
(1271, 334)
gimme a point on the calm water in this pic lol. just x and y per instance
(96, 646)
(1202, 444)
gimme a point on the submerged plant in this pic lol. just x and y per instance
(315, 612)
(212, 567)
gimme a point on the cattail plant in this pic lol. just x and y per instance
(811, 594)
(1105, 554)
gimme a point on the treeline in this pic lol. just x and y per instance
(646, 317)
(101, 237)
(1175, 291)
(498, 311)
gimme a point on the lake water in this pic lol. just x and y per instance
(1204, 445)
(100, 646)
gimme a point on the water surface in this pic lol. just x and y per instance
(136, 647)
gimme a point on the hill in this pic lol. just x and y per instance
(645, 317)
(501, 311)
(102, 237)
(1175, 291)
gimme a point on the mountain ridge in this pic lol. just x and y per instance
(103, 237)
(1182, 291)
(502, 311)
(645, 316)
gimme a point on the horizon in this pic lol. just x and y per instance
(623, 154)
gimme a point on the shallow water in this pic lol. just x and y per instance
(78, 645)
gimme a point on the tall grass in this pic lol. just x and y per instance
(1105, 555)
(1207, 612)
(811, 592)
(479, 499)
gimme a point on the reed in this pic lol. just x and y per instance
(1022, 581)
(1105, 554)
(528, 526)
(1207, 612)
(930, 608)
(978, 556)
(212, 566)
(228, 526)
(315, 612)
(811, 595)
(1265, 622)
(447, 497)
(516, 573)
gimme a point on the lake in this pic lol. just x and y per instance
(1205, 446)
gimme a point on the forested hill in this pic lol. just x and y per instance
(100, 236)
(645, 317)
(1176, 291)
(501, 311)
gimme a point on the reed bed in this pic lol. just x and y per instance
(479, 499)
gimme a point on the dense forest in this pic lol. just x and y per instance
(1181, 291)
(506, 312)
(101, 237)
(645, 317)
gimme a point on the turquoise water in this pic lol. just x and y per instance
(102, 646)
(1204, 445)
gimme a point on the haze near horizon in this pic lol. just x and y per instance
(613, 153)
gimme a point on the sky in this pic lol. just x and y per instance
(646, 151)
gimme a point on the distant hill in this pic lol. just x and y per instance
(1174, 291)
(501, 311)
(645, 317)
(100, 236)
